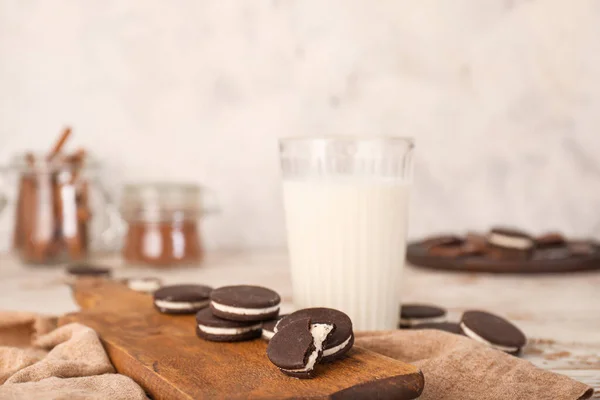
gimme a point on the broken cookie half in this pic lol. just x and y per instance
(298, 347)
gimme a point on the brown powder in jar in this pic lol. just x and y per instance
(39, 234)
(45, 231)
(162, 244)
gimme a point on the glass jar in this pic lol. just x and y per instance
(61, 209)
(162, 223)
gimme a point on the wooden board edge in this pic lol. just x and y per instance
(149, 379)
(401, 387)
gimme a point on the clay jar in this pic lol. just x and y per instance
(162, 223)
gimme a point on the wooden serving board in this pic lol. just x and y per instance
(163, 355)
(417, 254)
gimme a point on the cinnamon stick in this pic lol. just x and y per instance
(59, 143)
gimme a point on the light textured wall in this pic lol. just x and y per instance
(503, 97)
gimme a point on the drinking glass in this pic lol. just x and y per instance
(346, 210)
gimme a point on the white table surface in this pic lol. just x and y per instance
(560, 314)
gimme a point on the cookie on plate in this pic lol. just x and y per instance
(442, 240)
(493, 331)
(416, 314)
(509, 238)
(551, 239)
(181, 299)
(449, 246)
(297, 347)
(342, 338)
(551, 246)
(475, 244)
(509, 244)
(245, 303)
(217, 329)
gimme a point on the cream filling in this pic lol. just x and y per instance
(244, 311)
(479, 339)
(268, 335)
(333, 350)
(319, 333)
(418, 321)
(510, 242)
(227, 331)
(142, 285)
(179, 305)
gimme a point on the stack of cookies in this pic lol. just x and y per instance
(237, 313)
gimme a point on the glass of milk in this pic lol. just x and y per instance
(346, 208)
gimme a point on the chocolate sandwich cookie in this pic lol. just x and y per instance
(444, 246)
(442, 240)
(493, 331)
(447, 251)
(341, 339)
(268, 327)
(551, 246)
(245, 303)
(551, 239)
(144, 285)
(87, 270)
(416, 314)
(217, 329)
(474, 244)
(297, 347)
(181, 299)
(451, 327)
(510, 239)
(510, 243)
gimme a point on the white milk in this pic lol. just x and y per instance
(347, 243)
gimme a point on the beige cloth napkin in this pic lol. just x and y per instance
(40, 362)
(456, 367)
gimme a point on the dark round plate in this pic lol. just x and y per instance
(417, 255)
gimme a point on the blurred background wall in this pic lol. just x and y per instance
(502, 96)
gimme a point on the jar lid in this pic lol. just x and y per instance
(161, 200)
